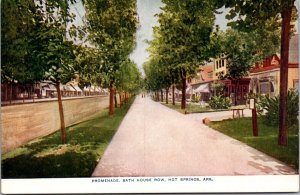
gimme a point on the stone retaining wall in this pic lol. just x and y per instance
(23, 123)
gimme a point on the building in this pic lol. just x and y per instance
(265, 76)
(219, 66)
(236, 89)
(201, 83)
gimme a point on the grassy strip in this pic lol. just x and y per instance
(194, 108)
(47, 158)
(189, 108)
(241, 129)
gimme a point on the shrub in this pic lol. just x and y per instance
(219, 102)
(195, 99)
(271, 106)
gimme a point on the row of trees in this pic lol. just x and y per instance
(181, 43)
(186, 39)
(38, 43)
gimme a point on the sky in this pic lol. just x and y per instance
(146, 10)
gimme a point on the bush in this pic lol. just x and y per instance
(219, 102)
(271, 106)
(195, 99)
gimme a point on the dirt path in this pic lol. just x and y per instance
(154, 140)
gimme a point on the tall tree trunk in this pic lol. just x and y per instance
(284, 53)
(183, 81)
(120, 97)
(173, 94)
(237, 85)
(167, 95)
(6, 92)
(61, 115)
(111, 99)
(116, 101)
(161, 95)
(11, 93)
(126, 97)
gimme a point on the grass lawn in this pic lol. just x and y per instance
(196, 108)
(47, 158)
(189, 107)
(241, 129)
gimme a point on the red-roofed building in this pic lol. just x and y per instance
(200, 84)
(265, 77)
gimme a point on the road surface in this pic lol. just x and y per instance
(154, 140)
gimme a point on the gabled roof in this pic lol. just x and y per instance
(268, 64)
(204, 74)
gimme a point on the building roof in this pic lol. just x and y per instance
(205, 70)
(268, 64)
(205, 74)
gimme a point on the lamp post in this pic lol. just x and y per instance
(254, 117)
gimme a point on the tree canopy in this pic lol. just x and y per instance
(182, 40)
(112, 27)
(251, 14)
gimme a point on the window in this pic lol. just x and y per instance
(264, 87)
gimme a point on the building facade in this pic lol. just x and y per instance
(265, 76)
(201, 83)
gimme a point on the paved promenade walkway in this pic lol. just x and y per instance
(154, 140)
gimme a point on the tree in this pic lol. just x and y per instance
(19, 23)
(252, 14)
(153, 76)
(186, 27)
(128, 79)
(87, 66)
(52, 50)
(35, 45)
(160, 59)
(112, 27)
(243, 49)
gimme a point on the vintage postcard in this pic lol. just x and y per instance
(149, 96)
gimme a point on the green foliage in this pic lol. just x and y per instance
(255, 14)
(271, 106)
(196, 99)
(251, 15)
(185, 29)
(219, 102)
(112, 27)
(244, 49)
(157, 76)
(181, 42)
(87, 63)
(33, 40)
(128, 77)
(218, 88)
(17, 23)
(57, 54)
(190, 108)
